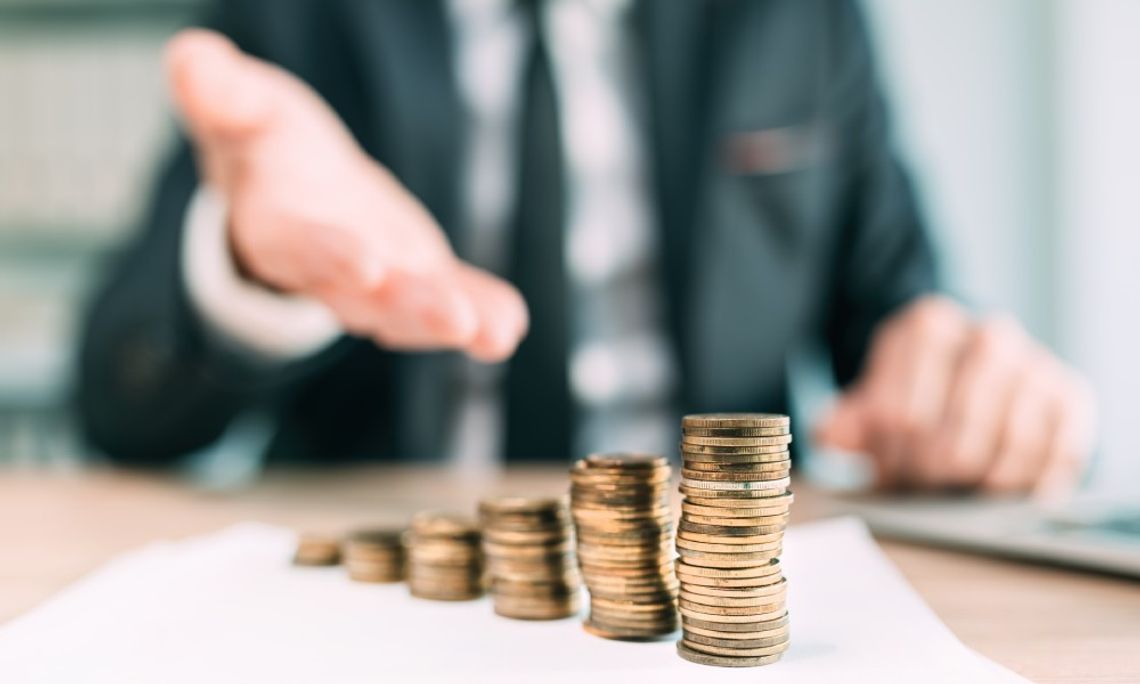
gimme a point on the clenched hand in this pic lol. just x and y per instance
(947, 401)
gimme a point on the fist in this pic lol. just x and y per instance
(311, 214)
(947, 401)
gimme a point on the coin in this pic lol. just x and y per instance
(740, 420)
(316, 549)
(723, 661)
(751, 591)
(733, 476)
(770, 601)
(739, 627)
(740, 639)
(761, 485)
(738, 652)
(736, 441)
(734, 454)
(734, 431)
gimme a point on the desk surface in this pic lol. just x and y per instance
(1050, 625)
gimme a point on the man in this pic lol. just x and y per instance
(653, 203)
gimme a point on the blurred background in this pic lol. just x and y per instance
(1017, 117)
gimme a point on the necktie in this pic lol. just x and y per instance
(538, 394)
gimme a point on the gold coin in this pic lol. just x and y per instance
(767, 499)
(626, 460)
(720, 530)
(693, 451)
(724, 661)
(734, 476)
(770, 568)
(769, 601)
(754, 590)
(740, 497)
(738, 652)
(317, 549)
(777, 485)
(436, 524)
(733, 432)
(727, 560)
(775, 440)
(738, 639)
(600, 629)
(734, 455)
(740, 420)
(764, 541)
(522, 504)
(745, 523)
(718, 467)
(716, 614)
(741, 626)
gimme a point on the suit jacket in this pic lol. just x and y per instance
(785, 218)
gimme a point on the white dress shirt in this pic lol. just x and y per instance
(621, 367)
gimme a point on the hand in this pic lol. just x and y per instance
(946, 401)
(312, 214)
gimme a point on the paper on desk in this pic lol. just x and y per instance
(228, 607)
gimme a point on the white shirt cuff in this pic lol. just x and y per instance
(274, 326)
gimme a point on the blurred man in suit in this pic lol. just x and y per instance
(641, 207)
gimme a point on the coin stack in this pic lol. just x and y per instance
(620, 504)
(375, 555)
(529, 546)
(445, 562)
(317, 549)
(733, 514)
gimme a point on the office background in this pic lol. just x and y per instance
(1018, 118)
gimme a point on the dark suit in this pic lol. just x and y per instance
(785, 218)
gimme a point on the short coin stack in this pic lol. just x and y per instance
(733, 515)
(375, 555)
(317, 549)
(620, 504)
(445, 562)
(529, 546)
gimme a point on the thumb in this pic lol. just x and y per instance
(220, 92)
(845, 426)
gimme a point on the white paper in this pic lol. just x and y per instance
(229, 607)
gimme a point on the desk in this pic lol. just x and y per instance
(1050, 625)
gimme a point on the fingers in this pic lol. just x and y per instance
(967, 440)
(1026, 438)
(465, 309)
(502, 314)
(903, 391)
(1074, 419)
(214, 87)
(845, 426)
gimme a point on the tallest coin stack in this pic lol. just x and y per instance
(733, 514)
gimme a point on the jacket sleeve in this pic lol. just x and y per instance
(153, 383)
(884, 257)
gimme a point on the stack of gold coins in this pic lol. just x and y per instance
(445, 561)
(314, 548)
(735, 508)
(620, 504)
(529, 546)
(375, 555)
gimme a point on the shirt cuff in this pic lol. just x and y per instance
(270, 325)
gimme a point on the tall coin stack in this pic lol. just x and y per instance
(733, 514)
(620, 504)
(445, 561)
(529, 546)
(375, 555)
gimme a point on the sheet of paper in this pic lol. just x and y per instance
(229, 607)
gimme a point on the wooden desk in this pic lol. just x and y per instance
(1050, 625)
